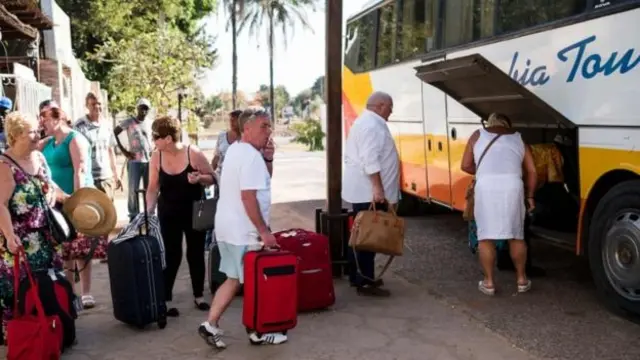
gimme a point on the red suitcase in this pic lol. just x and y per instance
(315, 280)
(270, 291)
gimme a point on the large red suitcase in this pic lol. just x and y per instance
(315, 280)
(270, 291)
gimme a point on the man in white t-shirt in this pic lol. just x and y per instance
(243, 222)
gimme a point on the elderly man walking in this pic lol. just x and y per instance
(245, 196)
(371, 174)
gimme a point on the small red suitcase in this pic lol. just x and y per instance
(315, 280)
(270, 291)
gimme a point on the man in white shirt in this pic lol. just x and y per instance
(371, 174)
(243, 220)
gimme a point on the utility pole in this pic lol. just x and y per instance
(335, 217)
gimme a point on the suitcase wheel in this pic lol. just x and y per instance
(162, 322)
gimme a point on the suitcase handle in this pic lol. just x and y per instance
(144, 207)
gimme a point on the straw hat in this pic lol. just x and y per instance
(91, 212)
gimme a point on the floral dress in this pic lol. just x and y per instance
(30, 224)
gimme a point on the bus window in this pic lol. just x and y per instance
(360, 44)
(386, 35)
(418, 30)
(468, 20)
(514, 15)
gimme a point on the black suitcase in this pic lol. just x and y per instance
(137, 281)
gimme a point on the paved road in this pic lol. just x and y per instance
(560, 319)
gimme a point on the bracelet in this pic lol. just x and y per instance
(530, 197)
(267, 160)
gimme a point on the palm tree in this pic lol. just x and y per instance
(282, 13)
(235, 9)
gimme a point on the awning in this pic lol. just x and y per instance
(484, 89)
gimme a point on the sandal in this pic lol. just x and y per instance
(88, 302)
(523, 288)
(485, 289)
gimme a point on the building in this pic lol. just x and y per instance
(38, 61)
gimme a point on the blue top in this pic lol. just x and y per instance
(59, 160)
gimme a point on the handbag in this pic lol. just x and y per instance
(61, 228)
(379, 232)
(31, 336)
(470, 194)
(204, 211)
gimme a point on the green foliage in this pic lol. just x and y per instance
(95, 23)
(213, 103)
(154, 65)
(309, 132)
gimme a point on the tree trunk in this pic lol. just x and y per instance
(271, 89)
(234, 56)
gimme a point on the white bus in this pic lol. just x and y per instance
(567, 72)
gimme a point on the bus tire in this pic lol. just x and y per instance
(614, 249)
(409, 205)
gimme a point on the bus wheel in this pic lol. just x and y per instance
(614, 248)
(409, 205)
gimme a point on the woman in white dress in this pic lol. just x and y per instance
(500, 195)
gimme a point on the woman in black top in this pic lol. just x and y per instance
(178, 174)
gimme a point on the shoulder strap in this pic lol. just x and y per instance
(189, 154)
(485, 150)
(15, 163)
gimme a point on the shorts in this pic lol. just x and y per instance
(232, 260)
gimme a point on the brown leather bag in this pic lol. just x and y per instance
(468, 214)
(380, 232)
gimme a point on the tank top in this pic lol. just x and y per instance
(503, 158)
(59, 160)
(176, 193)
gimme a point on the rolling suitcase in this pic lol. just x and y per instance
(315, 280)
(136, 278)
(270, 291)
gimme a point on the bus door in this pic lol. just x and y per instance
(434, 116)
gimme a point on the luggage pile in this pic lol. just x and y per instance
(280, 283)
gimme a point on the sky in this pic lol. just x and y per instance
(296, 67)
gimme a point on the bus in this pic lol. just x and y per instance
(566, 72)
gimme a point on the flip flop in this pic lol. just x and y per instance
(486, 290)
(523, 288)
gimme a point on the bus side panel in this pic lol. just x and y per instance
(413, 161)
(602, 151)
(436, 143)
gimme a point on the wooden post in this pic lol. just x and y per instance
(333, 95)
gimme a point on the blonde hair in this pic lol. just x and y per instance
(15, 125)
(498, 120)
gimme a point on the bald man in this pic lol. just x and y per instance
(371, 174)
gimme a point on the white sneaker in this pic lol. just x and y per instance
(267, 339)
(212, 335)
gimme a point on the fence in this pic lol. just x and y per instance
(25, 93)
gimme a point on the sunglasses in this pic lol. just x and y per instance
(156, 136)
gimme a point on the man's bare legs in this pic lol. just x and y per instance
(210, 330)
(221, 300)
